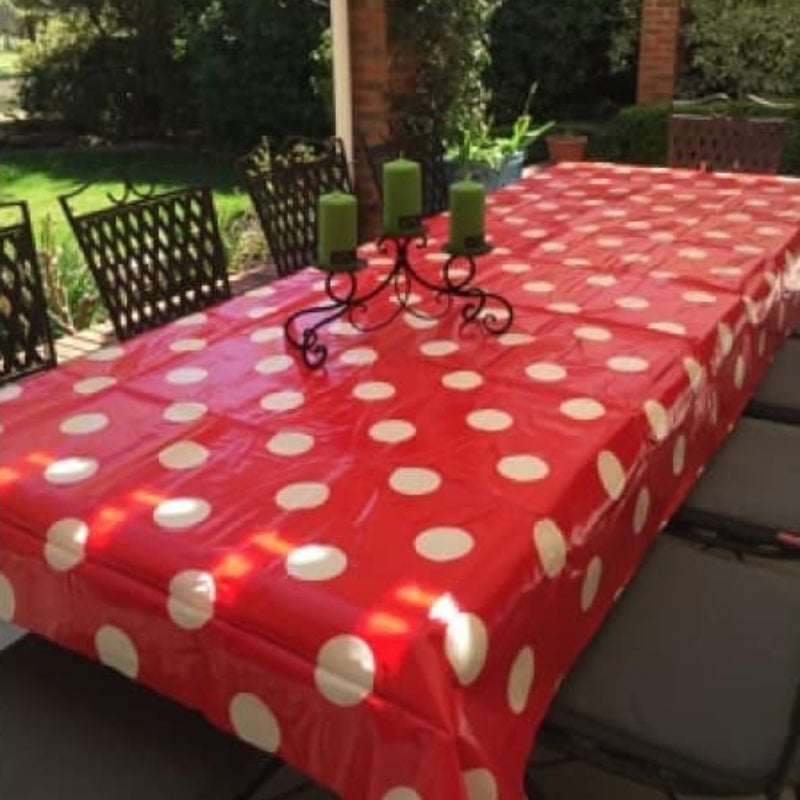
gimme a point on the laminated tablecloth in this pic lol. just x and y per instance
(381, 570)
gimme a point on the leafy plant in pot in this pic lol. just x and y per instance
(566, 145)
(495, 161)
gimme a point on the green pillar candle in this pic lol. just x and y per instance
(402, 197)
(336, 231)
(467, 217)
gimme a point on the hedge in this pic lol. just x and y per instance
(638, 134)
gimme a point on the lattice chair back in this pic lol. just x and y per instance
(284, 192)
(155, 258)
(423, 148)
(26, 342)
(726, 144)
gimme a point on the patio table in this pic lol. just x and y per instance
(381, 570)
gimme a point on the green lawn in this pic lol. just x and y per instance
(40, 177)
(9, 62)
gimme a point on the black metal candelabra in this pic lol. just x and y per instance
(341, 288)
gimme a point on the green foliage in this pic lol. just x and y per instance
(741, 47)
(638, 134)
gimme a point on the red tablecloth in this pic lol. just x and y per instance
(383, 569)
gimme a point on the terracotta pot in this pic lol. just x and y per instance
(563, 147)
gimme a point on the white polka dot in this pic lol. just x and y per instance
(515, 268)
(577, 262)
(662, 274)
(679, 455)
(658, 418)
(419, 323)
(415, 481)
(186, 375)
(444, 543)
(439, 347)
(401, 793)
(591, 333)
(264, 335)
(724, 339)
(358, 356)
(254, 723)
(545, 372)
(535, 233)
(184, 412)
(695, 372)
(187, 345)
(523, 468)
(198, 318)
(257, 312)
(610, 242)
(693, 253)
(290, 443)
(392, 431)
(181, 512)
(591, 583)
(466, 642)
(302, 495)
(373, 390)
(768, 230)
(8, 600)
(342, 328)
(192, 594)
(9, 393)
(632, 303)
(71, 470)
(115, 649)
(261, 291)
(564, 308)
(601, 280)
(663, 236)
(93, 385)
(111, 353)
(520, 680)
(638, 225)
(66, 543)
(316, 562)
(551, 546)
(701, 298)
(514, 339)
(462, 380)
(739, 372)
(273, 364)
(628, 364)
(345, 671)
(641, 510)
(611, 473)
(674, 328)
(183, 455)
(83, 423)
(489, 419)
(753, 310)
(282, 401)
(582, 408)
(538, 287)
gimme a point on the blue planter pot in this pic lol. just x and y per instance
(493, 179)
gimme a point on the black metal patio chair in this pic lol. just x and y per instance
(692, 685)
(284, 188)
(26, 340)
(73, 728)
(154, 257)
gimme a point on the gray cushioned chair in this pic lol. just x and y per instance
(72, 728)
(778, 395)
(749, 496)
(693, 683)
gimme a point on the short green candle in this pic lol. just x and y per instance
(336, 231)
(467, 217)
(402, 197)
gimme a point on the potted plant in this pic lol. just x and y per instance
(495, 161)
(566, 145)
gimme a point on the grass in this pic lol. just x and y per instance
(40, 177)
(9, 63)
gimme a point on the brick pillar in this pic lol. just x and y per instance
(369, 53)
(658, 50)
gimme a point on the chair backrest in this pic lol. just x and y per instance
(726, 143)
(285, 191)
(428, 151)
(26, 342)
(155, 258)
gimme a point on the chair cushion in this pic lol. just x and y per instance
(72, 728)
(755, 477)
(696, 669)
(780, 389)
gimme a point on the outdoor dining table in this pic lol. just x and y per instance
(382, 569)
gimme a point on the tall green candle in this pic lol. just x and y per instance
(336, 231)
(467, 216)
(402, 197)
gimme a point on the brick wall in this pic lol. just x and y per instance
(658, 50)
